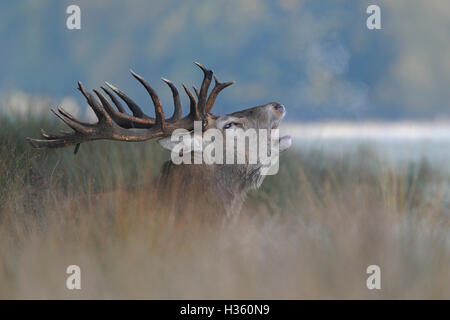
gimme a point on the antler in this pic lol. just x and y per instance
(116, 124)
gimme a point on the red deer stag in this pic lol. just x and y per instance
(219, 188)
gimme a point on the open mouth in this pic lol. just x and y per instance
(285, 141)
(280, 117)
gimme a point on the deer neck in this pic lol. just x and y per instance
(234, 182)
(218, 188)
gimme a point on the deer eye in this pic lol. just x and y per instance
(229, 125)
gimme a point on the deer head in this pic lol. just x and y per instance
(229, 182)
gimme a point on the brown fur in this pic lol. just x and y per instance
(216, 189)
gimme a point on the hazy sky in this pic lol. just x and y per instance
(315, 56)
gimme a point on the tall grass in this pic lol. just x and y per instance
(309, 232)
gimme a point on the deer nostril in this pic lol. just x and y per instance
(279, 108)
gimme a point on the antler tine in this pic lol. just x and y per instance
(114, 99)
(196, 91)
(47, 135)
(83, 131)
(159, 113)
(135, 109)
(54, 143)
(118, 125)
(104, 129)
(193, 112)
(75, 125)
(98, 110)
(105, 103)
(176, 101)
(122, 119)
(203, 94)
(218, 86)
(68, 115)
(51, 137)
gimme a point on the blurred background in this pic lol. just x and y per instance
(366, 182)
(315, 56)
(388, 87)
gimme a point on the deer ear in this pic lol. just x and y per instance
(176, 139)
(167, 143)
(185, 142)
